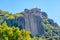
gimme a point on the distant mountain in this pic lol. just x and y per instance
(34, 20)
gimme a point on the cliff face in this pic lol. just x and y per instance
(33, 20)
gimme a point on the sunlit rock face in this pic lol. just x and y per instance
(33, 21)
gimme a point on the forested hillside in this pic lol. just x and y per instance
(11, 29)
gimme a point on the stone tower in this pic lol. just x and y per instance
(34, 22)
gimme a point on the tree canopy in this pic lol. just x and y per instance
(13, 33)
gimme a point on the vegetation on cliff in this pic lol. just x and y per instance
(13, 33)
(52, 30)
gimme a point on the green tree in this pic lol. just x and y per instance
(13, 33)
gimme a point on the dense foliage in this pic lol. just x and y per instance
(51, 32)
(13, 33)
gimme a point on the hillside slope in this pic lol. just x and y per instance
(42, 25)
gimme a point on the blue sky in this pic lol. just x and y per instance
(51, 7)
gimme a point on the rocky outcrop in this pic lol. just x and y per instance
(33, 20)
(51, 21)
(44, 14)
(19, 21)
